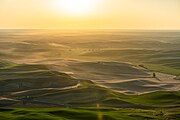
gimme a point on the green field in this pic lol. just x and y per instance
(88, 114)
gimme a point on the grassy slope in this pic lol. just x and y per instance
(24, 77)
(88, 114)
(158, 99)
(162, 69)
(161, 61)
(87, 95)
(33, 77)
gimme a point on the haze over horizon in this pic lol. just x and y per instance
(90, 14)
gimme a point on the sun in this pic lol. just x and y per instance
(76, 7)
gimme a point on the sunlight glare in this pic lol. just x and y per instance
(76, 7)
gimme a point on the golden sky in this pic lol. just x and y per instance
(93, 14)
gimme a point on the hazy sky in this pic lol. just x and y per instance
(121, 14)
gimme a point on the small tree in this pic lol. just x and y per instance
(154, 75)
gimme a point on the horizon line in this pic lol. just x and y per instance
(140, 29)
